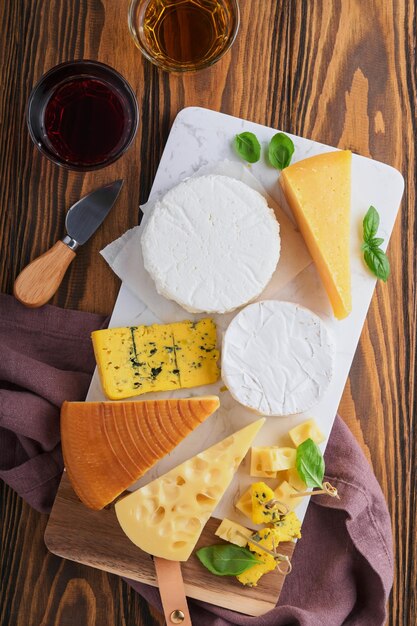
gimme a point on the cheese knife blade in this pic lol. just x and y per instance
(86, 215)
(39, 280)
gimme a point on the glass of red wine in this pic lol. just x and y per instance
(82, 115)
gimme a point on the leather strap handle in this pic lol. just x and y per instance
(171, 588)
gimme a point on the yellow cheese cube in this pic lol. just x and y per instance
(279, 459)
(288, 528)
(256, 463)
(267, 538)
(233, 533)
(261, 495)
(293, 478)
(306, 430)
(136, 360)
(318, 190)
(283, 493)
(244, 504)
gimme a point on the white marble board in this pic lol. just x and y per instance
(200, 137)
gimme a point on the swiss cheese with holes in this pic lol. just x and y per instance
(166, 517)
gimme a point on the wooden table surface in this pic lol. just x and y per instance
(342, 72)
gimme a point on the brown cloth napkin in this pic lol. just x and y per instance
(343, 565)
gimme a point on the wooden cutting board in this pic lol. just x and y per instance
(95, 538)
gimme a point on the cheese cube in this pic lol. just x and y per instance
(278, 459)
(262, 495)
(306, 430)
(140, 359)
(267, 538)
(283, 493)
(233, 533)
(257, 459)
(244, 504)
(288, 528)
(293, 478)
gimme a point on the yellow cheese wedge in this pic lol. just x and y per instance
(166, 517)
(318, 190)
(107, 446)
(136, 360)
(233, 533)
(306, 430)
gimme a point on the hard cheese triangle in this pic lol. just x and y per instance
(318, 191)
(166, 517)
(107, 446)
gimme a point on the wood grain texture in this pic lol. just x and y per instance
(96, 539)
(338, 71)
(39, 281)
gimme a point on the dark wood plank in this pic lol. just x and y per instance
(95, 538)
(342, 72)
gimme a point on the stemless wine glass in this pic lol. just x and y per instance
(184, 35)
(82, 115)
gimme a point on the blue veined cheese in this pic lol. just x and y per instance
(161, 357)
(277, 358)
(211, 244)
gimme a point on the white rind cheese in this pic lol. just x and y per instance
(277, 358)
(211, 244)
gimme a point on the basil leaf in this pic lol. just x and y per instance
(370, 223)
(227, 559)
(378, 263)
(248, 147)
(310, 463)
(280, 151)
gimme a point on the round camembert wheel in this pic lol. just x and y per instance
(277, 358)
(211, 244)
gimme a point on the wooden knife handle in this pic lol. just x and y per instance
(171, 588)
(38, 281)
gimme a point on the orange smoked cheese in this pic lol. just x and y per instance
(107, 446)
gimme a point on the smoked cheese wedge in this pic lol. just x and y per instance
(166, 517)
(107, 446)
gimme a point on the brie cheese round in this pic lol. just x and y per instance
(277, 358)
(211, 244)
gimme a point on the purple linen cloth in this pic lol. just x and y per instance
(343, 565)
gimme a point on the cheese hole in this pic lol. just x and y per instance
(177, 545)
(180, 480)
(212, 476)
(199, 464)
(203, 498)
(158, 516)
(193, 525)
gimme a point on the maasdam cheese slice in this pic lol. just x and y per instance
(211, 244)
(166, 517)
(277, 358)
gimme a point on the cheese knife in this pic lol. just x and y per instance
(39, 280)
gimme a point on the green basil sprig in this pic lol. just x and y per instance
(248, 147)
(375, 258)
(227, 559)
(310, 464)
(280, 151)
